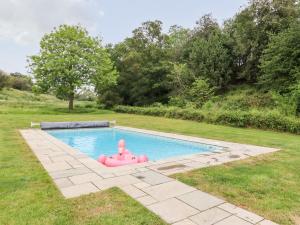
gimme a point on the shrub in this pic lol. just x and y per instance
(20, 82)
(256, 119)
(3, 79)
(200, 92)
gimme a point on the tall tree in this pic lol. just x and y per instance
(143, 65)
(252, 28)
(280, 62)
(68, 59)
(208, 55)
(177, 40)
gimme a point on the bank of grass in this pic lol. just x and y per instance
(268, 185)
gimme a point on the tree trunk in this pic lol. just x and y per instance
(71, 101)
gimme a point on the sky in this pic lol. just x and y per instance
(24, 22)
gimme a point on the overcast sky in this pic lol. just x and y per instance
(23, 22)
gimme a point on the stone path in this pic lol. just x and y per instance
(76, 174)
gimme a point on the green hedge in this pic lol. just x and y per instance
(255, 119)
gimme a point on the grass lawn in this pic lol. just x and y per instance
(268, 185)
(27, 193)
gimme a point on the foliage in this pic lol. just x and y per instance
(69, 59)
(110, 98)
(180, 79)
(280, 62)
(86, 94)
(296, 96)
(251, 29)
(208, 55)
(141, 62)
(256, 119)
(200, 92)
(163, 67)
(3, 79)
(247, 98)
(177, 39)
(20, 81)
(15, 80)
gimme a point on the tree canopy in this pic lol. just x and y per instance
(280, 63)
(69, 59)
(258, 47)
(143, 65)
(165, 67)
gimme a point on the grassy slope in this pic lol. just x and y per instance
(268, 185)
(247, 98)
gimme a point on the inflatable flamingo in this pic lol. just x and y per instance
(124, 157)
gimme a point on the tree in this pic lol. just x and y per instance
(177, 40)
(68, 59)
(280, 62)
(208, 55)
(180, 79)
(143, 64)
(251, 29)
(20, 81)
(199, 92)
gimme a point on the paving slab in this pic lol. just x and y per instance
(84, 178)
(200, 200)
(242, 213)
(233, 220)
(80, 189)
(142, 185)
(57, 166)
(267, 222)
(116, 181)
(194, 164)
(172, 210)
(90, 163)
(184, 222)
(124, 172)
(143, 169)
(146, 200)
(103, 174)
(61, 158)
(69, 172)
(75, 163)
(168, 190)
(152, 177)
(133, 191)
(63, 182)
(210, 216)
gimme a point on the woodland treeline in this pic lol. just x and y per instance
(258, 47)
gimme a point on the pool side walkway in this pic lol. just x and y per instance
(75, 174)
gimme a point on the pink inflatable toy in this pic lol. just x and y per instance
(124, 157)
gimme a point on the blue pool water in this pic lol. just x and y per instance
(95, 142)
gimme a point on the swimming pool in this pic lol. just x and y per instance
(95, 142)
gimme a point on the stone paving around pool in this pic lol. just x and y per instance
(75, 174)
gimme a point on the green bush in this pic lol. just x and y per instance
(3, 79)
(245, 98)
(200, 92)
(271, 120)
(20, 82)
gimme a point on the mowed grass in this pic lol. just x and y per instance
(29, 196)
(268, 185)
